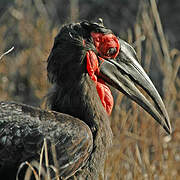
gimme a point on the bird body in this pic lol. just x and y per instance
(86, 57)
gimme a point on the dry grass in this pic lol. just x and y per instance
(141, 149)
(37, 169)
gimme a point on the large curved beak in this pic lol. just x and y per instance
(124, 72)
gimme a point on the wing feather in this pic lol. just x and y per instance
(23, 129)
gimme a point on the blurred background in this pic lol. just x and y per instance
(141, 149)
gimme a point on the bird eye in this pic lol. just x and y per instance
(111, 51)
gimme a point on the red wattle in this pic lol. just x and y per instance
(102, 89)
(105, 96)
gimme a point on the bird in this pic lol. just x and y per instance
(86, 59)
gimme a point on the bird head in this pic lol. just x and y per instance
(91, 48)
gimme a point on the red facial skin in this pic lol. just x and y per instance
(102, 42)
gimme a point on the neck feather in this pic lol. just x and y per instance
(81, 100)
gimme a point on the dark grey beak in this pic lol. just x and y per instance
(124, 72)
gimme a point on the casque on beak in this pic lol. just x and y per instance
(124, 72)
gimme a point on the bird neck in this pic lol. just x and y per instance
(81, 100)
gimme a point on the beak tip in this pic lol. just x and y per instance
(168, 124)
(168, 128)
(170, 131)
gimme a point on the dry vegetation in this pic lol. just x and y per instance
(141, 149)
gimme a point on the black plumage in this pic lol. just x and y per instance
(78, 123)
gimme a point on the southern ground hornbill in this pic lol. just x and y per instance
(85, 59)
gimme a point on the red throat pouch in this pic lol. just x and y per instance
(103, 90)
